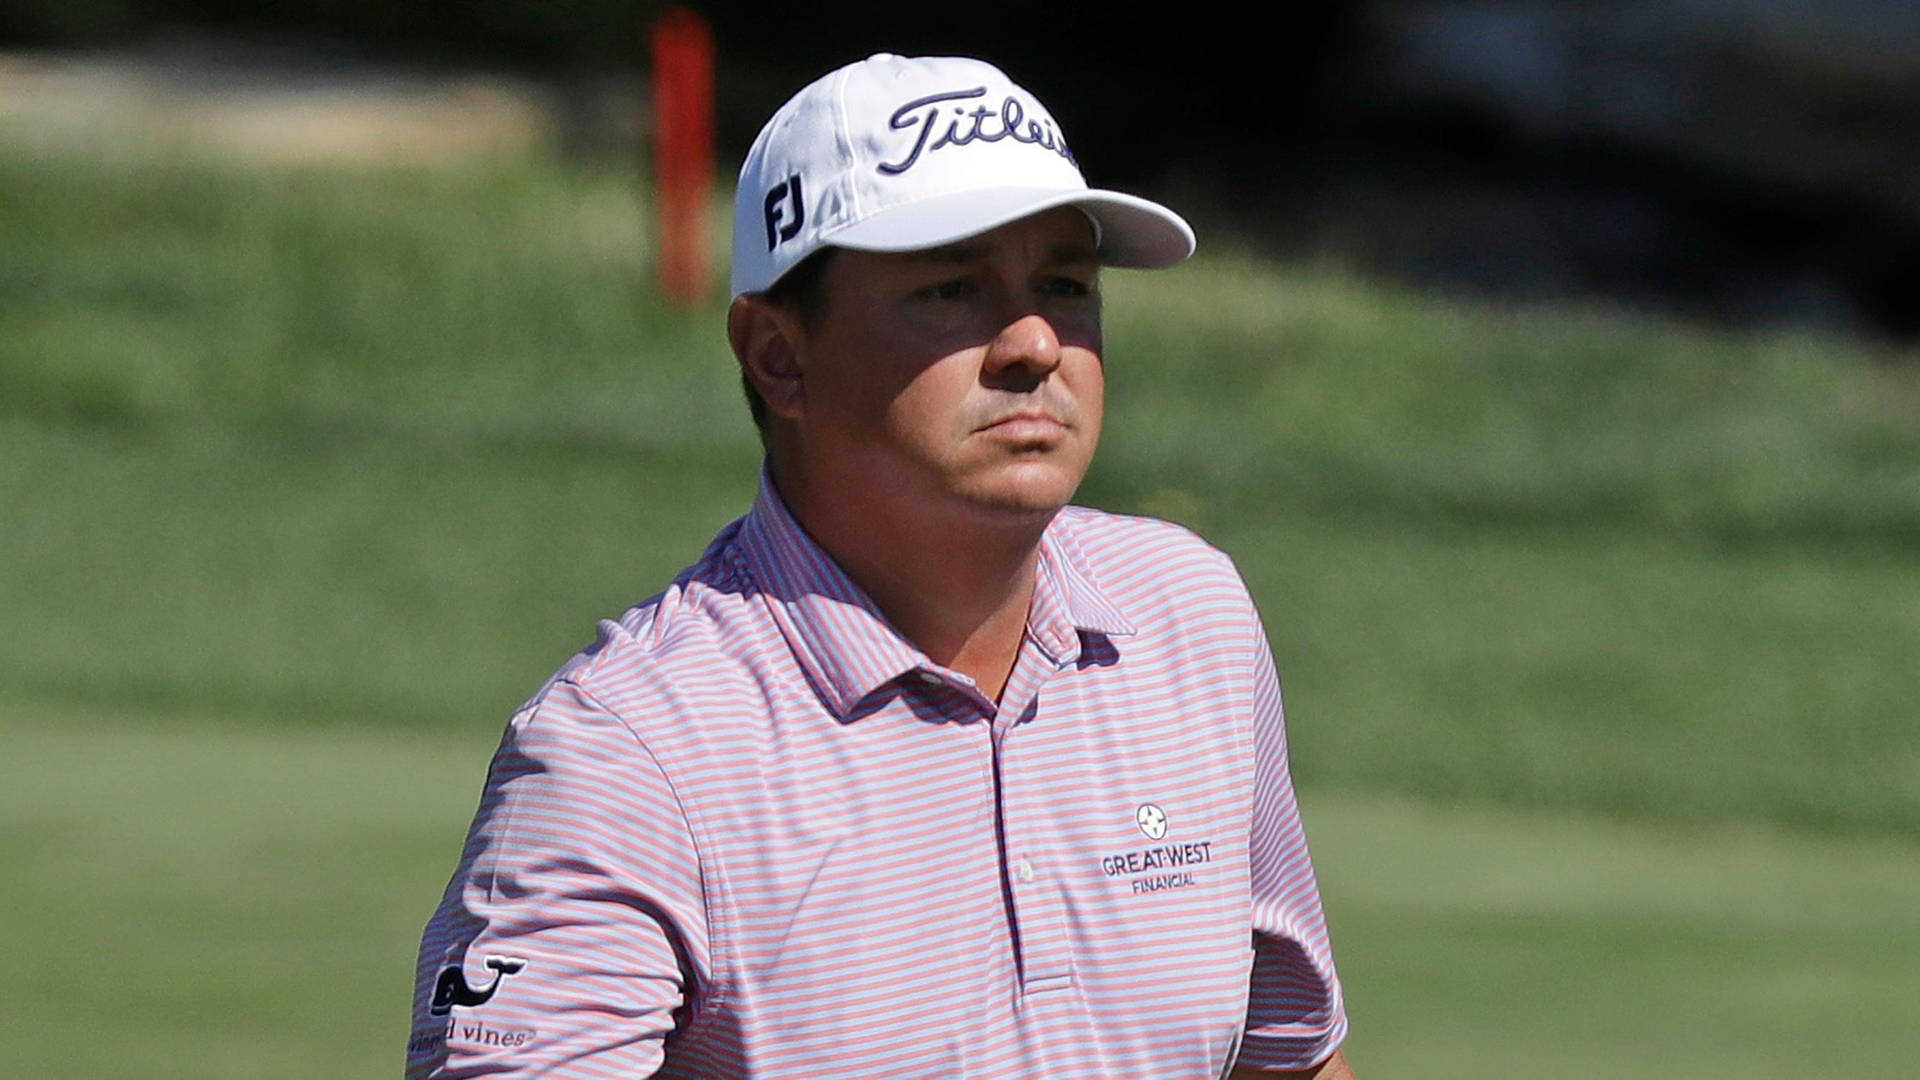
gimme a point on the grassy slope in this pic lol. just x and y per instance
(221, 900)
(310, 477)
(376, 448)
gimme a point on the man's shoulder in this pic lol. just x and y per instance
(1105, 539)
(1145, 564)
(694, 638)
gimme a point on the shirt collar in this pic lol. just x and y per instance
(1066, 602)
(845, 645)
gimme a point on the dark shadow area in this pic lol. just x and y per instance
(1743, 162)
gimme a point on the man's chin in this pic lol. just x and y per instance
(1024, 492)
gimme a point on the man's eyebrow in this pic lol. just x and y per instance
(1072, 252)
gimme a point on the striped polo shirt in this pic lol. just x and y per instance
(754, 832)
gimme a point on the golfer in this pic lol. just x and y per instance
(919, 771)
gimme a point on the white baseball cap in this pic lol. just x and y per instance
(897, 153)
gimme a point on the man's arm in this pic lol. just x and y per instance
(1295, 1011)
(574, 929)
(1334, 1068)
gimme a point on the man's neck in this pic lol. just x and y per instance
(958, 590)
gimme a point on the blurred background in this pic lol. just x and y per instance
(1551, 371)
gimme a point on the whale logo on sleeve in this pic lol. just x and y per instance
(451, 989)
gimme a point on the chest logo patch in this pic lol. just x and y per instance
(1152, 821)
(1162, 866)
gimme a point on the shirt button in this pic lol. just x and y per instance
(1025, 869)
(929, 678)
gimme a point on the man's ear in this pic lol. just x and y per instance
(766, 340)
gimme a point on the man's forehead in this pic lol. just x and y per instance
(1063, 235)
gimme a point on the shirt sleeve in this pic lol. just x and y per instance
(1296, 1016)
(572, 935)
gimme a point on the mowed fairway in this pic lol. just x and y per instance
(1598, 632)
(1490, 943)
(241, 900)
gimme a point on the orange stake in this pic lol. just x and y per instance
(682, 151)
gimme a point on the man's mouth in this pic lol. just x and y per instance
(1028, 418)
(1027, 425)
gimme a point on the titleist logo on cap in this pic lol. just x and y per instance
(979, 124)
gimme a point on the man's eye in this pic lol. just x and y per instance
(946, 290)
(1068, 286)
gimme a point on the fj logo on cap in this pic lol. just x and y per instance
(785, 192)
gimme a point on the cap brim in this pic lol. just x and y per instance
(1133, 232)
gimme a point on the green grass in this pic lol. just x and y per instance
(1489, 943)
(236, 902)
(235, 898)
(1597, 672)
(375, 448)
(433, 585)
(381, 581)
(1597, 631)
(1244, 385)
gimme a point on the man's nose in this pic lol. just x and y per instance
(1024, 352)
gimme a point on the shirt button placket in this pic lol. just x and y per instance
(1046, 954)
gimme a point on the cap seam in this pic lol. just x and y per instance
(845, 134)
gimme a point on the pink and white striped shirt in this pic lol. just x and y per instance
(754, 832)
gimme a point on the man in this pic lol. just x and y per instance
(918, 772)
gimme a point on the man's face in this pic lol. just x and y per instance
(962, 378)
